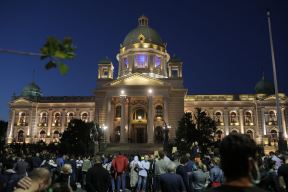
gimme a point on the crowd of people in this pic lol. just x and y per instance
(237, 166)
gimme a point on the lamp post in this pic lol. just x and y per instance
(166, 136)
(103, 133)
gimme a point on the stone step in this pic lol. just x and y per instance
(133, 148)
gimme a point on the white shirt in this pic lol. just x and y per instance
(143, 168)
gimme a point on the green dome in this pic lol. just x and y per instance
(264, 87)
(143, 33)
(31, 90)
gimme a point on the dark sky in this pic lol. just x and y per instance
(224, 44)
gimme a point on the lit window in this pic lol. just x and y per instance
(125, 61)
(141, 61)
(157, 61)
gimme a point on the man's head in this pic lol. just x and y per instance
(238, 154)
(42, 177)
(171, 167)
(97, 159)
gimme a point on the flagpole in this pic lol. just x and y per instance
(282, 145)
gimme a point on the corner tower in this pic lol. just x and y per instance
(143, 51)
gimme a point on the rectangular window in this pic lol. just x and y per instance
(125, 61)
(174, 73)
(141, 61)
(157, 61)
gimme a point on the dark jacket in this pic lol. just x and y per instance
(171, 182)
(97, 179)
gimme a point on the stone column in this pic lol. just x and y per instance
(263, 121)
(226, 121)
(109, 122)
(10, 127)
(150, 122)
(165, 109)
(123, 120)
(284, 124)
(50, 119)
(241, 121)
(63, 120)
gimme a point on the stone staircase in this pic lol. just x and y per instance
(133, 148)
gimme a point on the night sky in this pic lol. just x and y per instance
(224, 44)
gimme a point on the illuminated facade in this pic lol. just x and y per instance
(147, 95)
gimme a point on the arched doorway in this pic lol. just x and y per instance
(117, 132)
(250, 133)
(158, 134)
(20, 136)
(139, 128)
(218, 135)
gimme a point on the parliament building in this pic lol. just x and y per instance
(146, 97)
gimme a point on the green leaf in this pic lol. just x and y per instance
(50, 65)
(63, 68)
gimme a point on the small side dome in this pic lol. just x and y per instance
(175, 59)
(264, 87)
(31, 90)
(105, 60)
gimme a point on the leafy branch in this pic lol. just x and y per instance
(54, 51)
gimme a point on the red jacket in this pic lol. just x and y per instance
(120, 163)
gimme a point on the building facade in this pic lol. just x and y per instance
(146, 96)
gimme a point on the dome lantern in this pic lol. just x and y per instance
(143, 21)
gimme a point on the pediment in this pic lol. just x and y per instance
(21, 101)
(137, 79)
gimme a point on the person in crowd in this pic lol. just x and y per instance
(85, 167)
(134, 170)
(120, 165)
(61, 187)
(98, 178)
(199, 178)
(190, 167)
(278, 161)
(151, 173)
(36, 161)
(144, 167)
(40, 180)
(238, 161)
(21, 166)
(269, 180)
(66, 176)
(160, 168)
(216, 173)
(170, 181)
(182, 171)
(9, 178)
(79, 163)
(283, 174)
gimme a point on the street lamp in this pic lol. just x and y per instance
(166, 136)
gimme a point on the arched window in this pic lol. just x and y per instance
(42, 134)
(56, 136)
(70, 116)
(234, 131)
(57, 119)
(159, 111)
(248, 118)
(250, 133)
(158, 134)
(139, 114)
(118, 111)
(84, 117)
(218, 135)
(141, 61)
(274, 134)
(43, 119)
(157, 62)
(272, 118)
(233, 118)
(20, 136)
(22, 119)
(218, 118)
